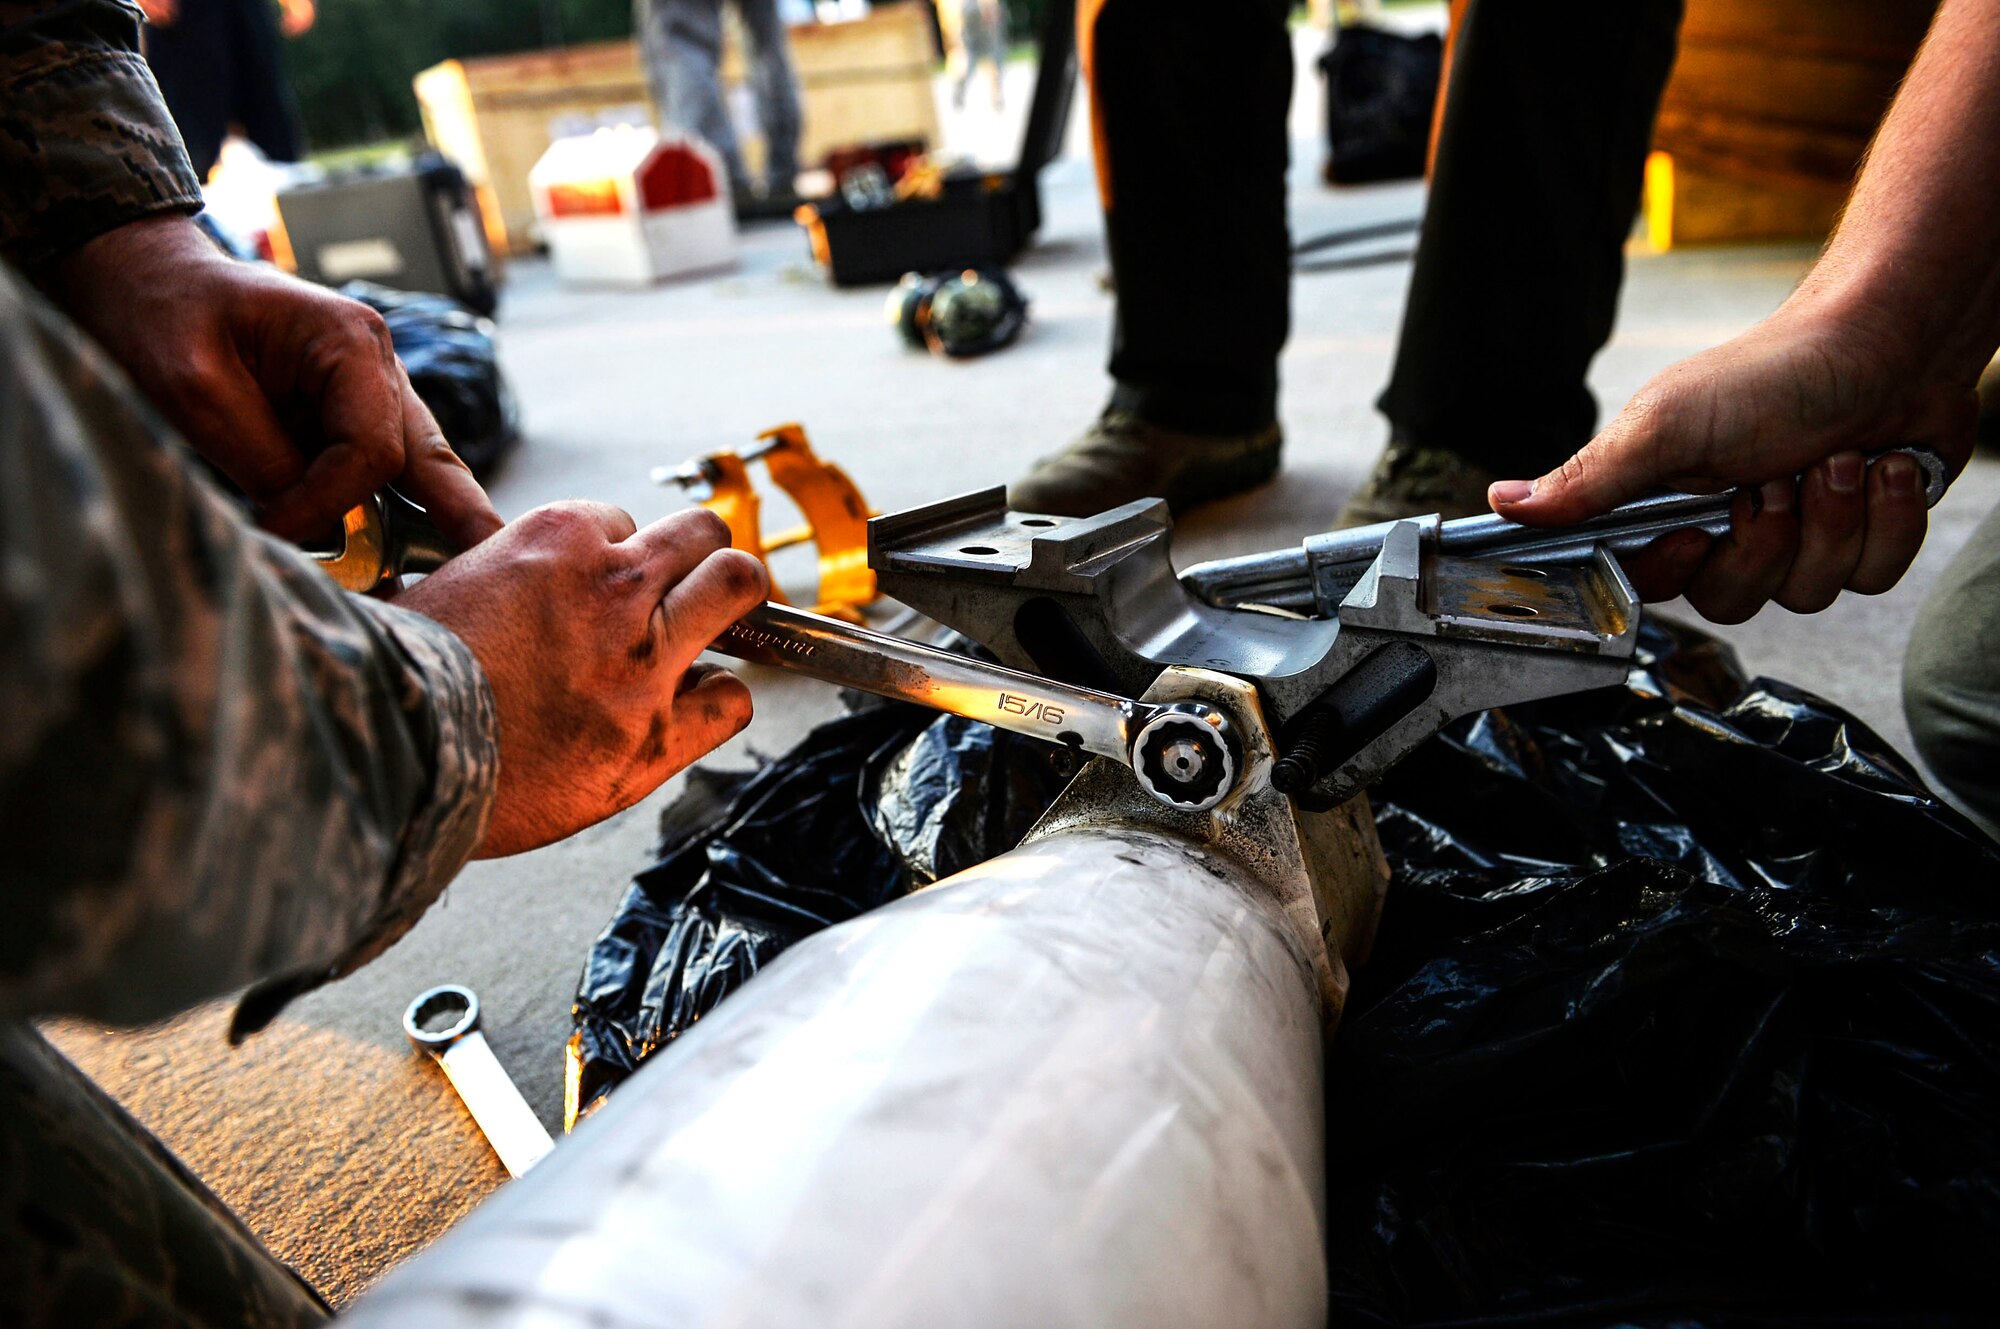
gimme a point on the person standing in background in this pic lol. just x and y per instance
(1539, 158)
(680, 42)
(975, 33)
(219, 66)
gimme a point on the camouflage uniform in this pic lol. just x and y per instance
(216, 770)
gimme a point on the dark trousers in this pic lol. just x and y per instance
(1539, 162)
(219, 63)
(1188, 102)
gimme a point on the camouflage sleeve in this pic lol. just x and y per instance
(215, 768)
(86, 144)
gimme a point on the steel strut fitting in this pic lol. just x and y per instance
(1419, 640)
(1186, 754)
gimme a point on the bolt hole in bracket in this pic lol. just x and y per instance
(1100, 596)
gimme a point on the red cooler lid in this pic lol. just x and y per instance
(674, 175)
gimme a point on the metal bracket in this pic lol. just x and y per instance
(1095, 601)
(836, 515)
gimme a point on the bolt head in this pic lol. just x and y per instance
(1185, 757)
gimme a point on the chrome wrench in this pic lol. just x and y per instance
(445, 1023)
(1185, 754)
(381, 539)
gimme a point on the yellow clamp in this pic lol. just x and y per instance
(836, 514)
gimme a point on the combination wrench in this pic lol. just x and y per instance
(445, 1023)
(1186, 754)
(380, 540)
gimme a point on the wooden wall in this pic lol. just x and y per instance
(1768, 112)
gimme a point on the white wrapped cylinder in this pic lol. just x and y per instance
(1077, 1086)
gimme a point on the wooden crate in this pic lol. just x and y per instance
(492, 116)
(1688, 206)
(1768, 111)
(861, 81)
(865, 81)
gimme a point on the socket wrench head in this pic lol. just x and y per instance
(440, 1017)
(1187, 756)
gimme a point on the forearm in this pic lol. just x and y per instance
(86, 144)
(215, 769)
(1914, 268)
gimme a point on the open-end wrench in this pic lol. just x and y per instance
(1186, 754)
(445, 1023)
(1313, 578)
(380, 540)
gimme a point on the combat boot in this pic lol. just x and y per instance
(1412, 480)
(1122, 457)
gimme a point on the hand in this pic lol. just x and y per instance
(160, 13)
(586, 628)
(292, 390)
(1795, 395)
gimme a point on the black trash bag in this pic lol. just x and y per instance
(449, 353)
(960, 793)
(1381, 92)
(749, 863)
(867, 808)
(1685, 1009)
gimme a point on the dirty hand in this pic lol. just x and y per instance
(292, 390)
(587, 628)
(1795, 395)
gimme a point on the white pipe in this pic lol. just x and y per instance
(1079, 1085)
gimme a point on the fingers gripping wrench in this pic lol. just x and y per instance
(445, 1023)
(1314, 578)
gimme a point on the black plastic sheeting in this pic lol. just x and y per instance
(449, 353)
(1684, 1008)
(867, 808)
(1679, 1014)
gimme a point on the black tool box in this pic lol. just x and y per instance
(414, 228)
(978, 218)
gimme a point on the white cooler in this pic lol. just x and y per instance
(627, 206)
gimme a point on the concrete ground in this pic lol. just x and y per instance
(344, 1150)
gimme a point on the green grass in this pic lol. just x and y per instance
(366, 154)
